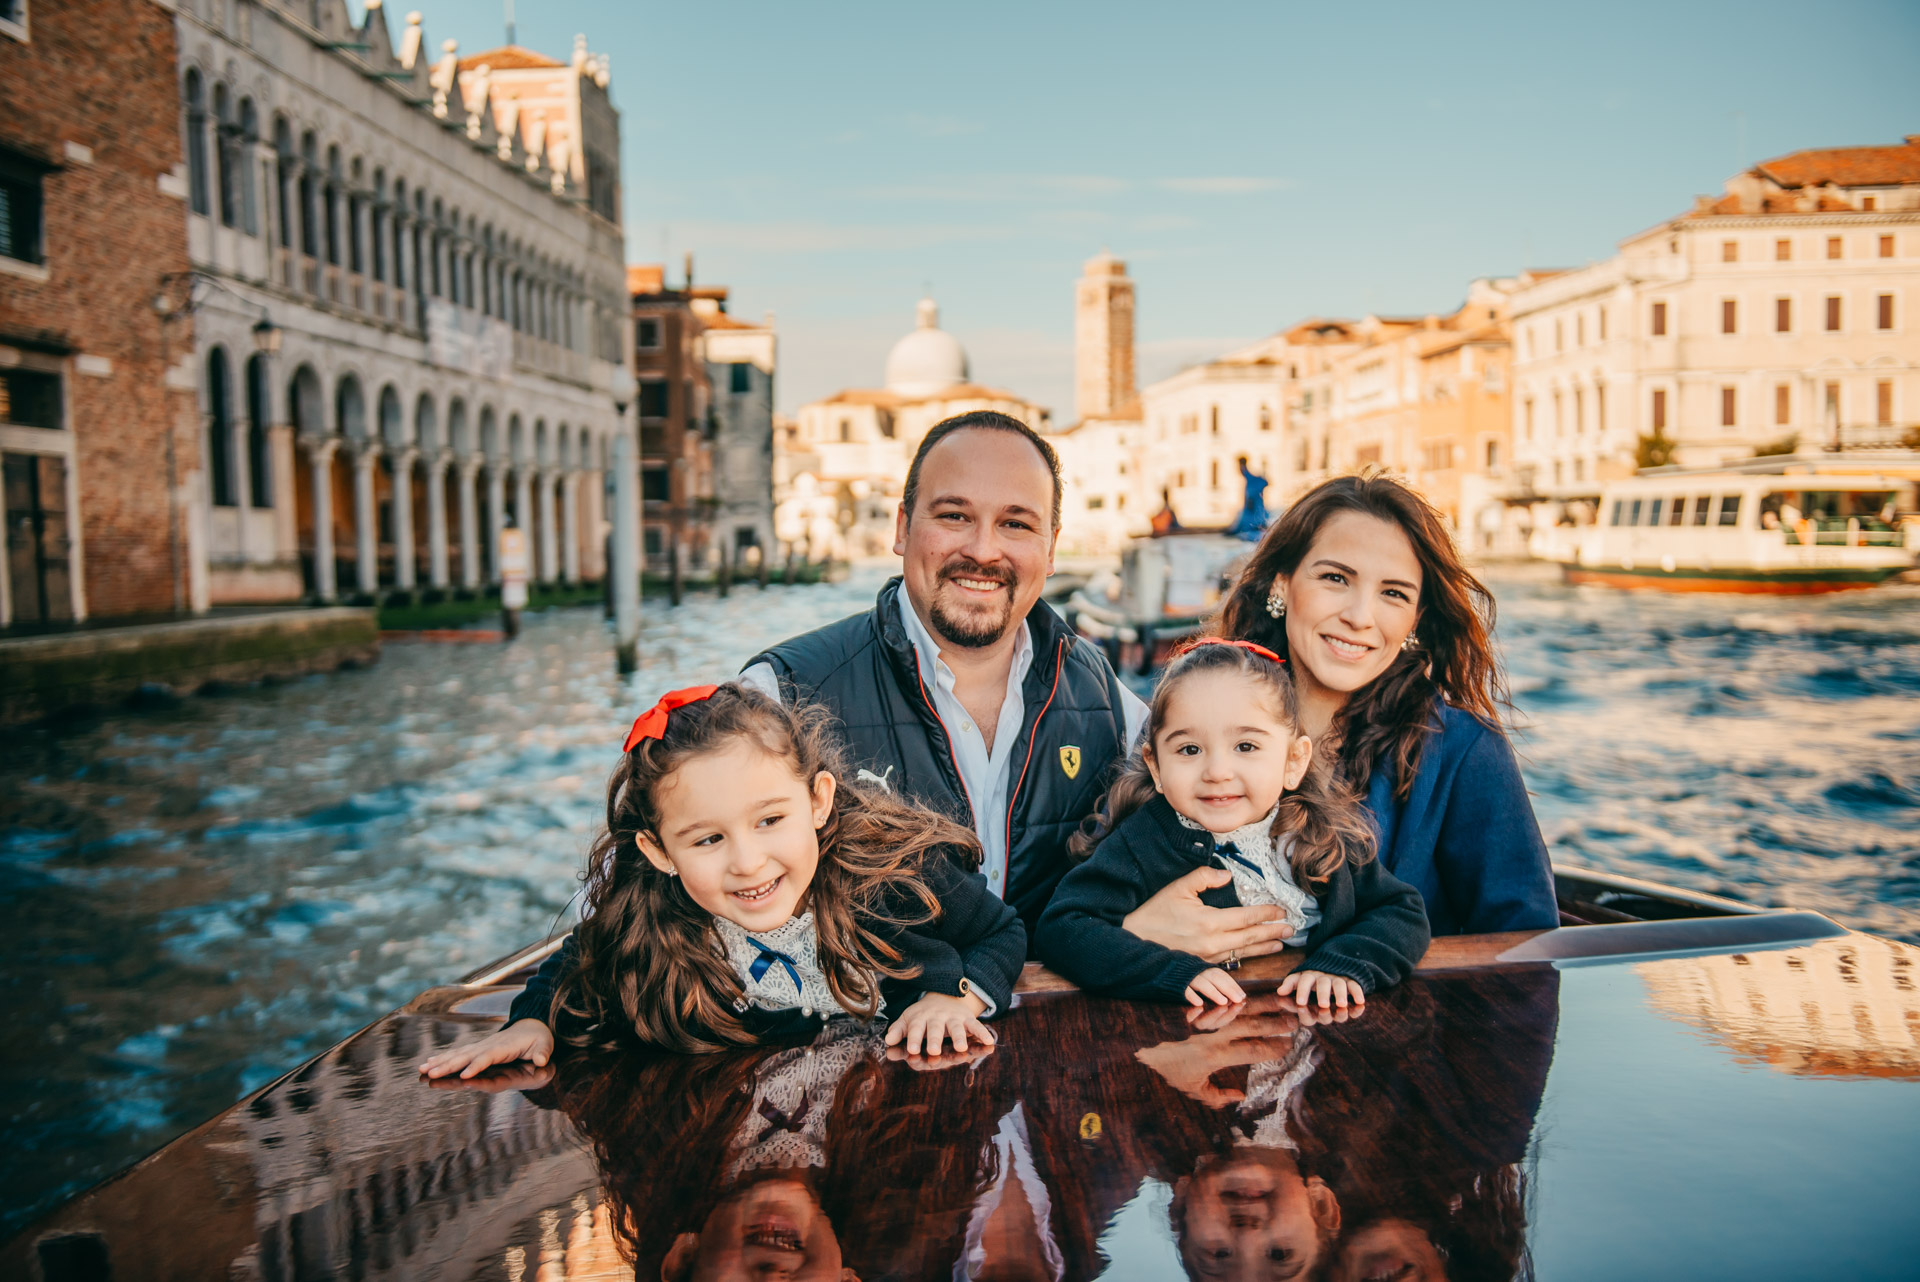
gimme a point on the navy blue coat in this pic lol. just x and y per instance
(976, 938)
(1371, 928)
(1465, 837)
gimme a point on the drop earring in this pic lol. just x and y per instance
(1276, 604)
(1407, 646)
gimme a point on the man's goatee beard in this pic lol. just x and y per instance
(968, 634)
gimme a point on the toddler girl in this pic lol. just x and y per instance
(1223, 779)
(744, 889)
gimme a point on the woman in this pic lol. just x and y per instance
(1389, 637)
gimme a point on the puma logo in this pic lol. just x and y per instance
(867, 776)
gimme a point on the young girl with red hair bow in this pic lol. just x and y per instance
(1224, 780)
(746, 888)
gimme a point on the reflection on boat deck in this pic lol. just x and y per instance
(1845, 1007)
(1490, 1119)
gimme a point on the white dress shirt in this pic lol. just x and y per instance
(987, 775)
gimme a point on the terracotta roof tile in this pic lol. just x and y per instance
(646, 278)
(510, 58)
(1847, 166)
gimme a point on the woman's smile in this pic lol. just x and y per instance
(1342, 648)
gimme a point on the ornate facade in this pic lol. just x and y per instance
(436, 240)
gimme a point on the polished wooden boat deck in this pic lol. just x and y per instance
(1721, 1097)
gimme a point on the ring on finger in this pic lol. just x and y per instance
(1233, 959)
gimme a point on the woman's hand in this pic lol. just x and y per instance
(1214, 986)
(528, 1039)
(1175, 918)
(936, 1019)
(1330, 990)
(1259, 1031)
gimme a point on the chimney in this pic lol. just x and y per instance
(689, 271)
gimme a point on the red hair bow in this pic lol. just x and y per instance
(1260, 650)
(652, 724)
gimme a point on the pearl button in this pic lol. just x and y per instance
(806, 1010)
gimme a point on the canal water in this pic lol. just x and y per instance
(197, 898)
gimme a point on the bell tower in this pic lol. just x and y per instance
(1103, 339)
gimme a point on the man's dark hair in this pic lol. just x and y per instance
(984, 420)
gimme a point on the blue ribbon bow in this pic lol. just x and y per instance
(764, 962)
(1227, 850)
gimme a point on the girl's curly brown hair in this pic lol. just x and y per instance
(650, 959)
(1323, 815)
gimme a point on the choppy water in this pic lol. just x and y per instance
(198, 899)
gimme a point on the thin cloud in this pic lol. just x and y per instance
(803, 237)
(1235, 186)
(943, 126)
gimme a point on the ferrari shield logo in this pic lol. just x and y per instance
(1070, 762)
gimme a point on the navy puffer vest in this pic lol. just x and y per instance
(1072, 737)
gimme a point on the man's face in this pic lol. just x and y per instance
(978, 546)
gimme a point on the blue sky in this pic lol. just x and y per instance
(1253, 163)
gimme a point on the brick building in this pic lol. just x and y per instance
(92, 219)
(705, 401)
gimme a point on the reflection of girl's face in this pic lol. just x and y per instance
(774, 1229)
(1389, 1249)
(1253, 1218)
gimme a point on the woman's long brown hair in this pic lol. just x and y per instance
(1324, 817)
(1453, 653)
(650, 959)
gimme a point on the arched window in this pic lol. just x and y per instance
(356, 257)
(226, 155)
(197, 144)
(309, 198)
(379, 225)
(259, 463)
(333, 206)
(283, 178)
(219, 430)
(249, 146)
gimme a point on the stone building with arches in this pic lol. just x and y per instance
(435, 241)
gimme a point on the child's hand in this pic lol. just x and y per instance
(1216, 986)
(527, 1039)
(1331, 990)
(937, 1018)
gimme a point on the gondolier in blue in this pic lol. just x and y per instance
(962, 689)
(1253, 519)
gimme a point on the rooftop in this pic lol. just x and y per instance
(510, 58)
(1847, 166)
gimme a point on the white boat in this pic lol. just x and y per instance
(1791, 526)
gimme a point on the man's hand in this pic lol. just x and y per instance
(1175, 918)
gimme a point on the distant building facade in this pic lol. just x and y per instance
(1422, 397)
(437, 239)
(1102, 453)
(851, 449)
(1781, 311)
(96, 414)
(1201, 421)
(706, 382)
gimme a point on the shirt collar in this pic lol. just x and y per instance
(926, 651)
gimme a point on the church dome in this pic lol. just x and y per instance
(927, 361)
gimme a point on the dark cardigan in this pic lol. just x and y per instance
(976, 938)
(1465, 837)
(1372, 927)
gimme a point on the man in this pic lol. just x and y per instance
(965, 691)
